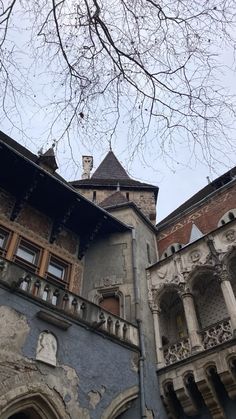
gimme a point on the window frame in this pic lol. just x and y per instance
(56, 261)
(7, 233)
(33, 248)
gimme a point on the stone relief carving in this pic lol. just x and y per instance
(47, 348)
(161, 274)
(108, 282)
(230, 235)
(195, 256)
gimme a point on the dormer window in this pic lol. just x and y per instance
(227, 217)
(171, 250)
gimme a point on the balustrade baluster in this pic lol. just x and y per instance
(125, 329)
(83, 309)
(74, 306)
(110, 325)
(117, 328)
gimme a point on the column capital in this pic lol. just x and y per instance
(155, 308)
(184, 290)
(221, 273)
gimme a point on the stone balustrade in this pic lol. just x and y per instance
(177, 351)
(212, 336)
(217, 334)
(76, 307)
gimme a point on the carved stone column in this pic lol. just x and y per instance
(228, 295)
(158, 342)
(192, 321)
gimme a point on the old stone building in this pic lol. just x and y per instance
(103, 314)
(192, 297)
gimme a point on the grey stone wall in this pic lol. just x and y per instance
(91, 370)
(123, 261)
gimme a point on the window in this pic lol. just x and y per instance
(171, 250)
(4, 236)
(111, 303)
(27, 253)
(94, 196)
(57, 269)
(227, 217)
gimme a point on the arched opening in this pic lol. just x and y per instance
(121, 404)
(209, 300)
(42, 404)
(227, 217)
(25, 414)
(172, 319)
(232, 271)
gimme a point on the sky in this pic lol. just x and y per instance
(177, 178)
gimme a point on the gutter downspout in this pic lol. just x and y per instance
(140, 326)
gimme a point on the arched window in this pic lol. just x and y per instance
(227, 217)
(173, 248)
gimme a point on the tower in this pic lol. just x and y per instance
(110, 185)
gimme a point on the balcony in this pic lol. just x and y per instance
(60, 301)
(212, 336)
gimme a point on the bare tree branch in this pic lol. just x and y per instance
(155, 61)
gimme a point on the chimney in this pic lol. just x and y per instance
(87, 162)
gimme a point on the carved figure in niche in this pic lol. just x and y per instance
(47, 348)
(230, 235)
(195, 256)
(161, 274)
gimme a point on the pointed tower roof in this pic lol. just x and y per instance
(47, 160)
(110, 168)
(109, 174)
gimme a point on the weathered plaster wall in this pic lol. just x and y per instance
(91, 371)
(108, 264)
(93, 265)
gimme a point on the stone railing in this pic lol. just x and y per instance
(216, 334)
(212, 336)
(78, 308)
(177, 351)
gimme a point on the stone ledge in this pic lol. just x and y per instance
(53, 319)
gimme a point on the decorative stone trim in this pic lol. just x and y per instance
(120, 403)
(72, 305)
(177, 351)
(217, 334)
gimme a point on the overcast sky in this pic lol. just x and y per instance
(178, 179)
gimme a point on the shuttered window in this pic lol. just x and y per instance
(112, 304)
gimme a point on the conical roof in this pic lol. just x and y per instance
(48, 160)
(110, 168)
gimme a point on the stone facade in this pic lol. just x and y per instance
(145, 200)
(192, 298)
(102, 314)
